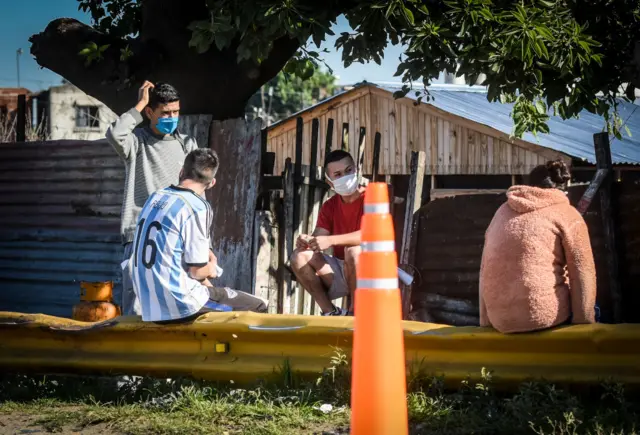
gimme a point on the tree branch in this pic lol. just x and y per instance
(210, 83)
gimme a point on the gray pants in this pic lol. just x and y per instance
(130, 305)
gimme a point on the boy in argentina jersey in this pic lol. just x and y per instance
(171, 262)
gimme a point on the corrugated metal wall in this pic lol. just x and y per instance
(59, 222)
(449, 251)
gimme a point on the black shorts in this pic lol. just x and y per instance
(235, 299)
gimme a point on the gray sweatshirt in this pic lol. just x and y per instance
(152, 162)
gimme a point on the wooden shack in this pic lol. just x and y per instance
(453, 144)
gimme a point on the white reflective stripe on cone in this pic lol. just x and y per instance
(380, 208)
(379, 283)
(384, 246)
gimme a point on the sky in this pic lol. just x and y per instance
(21, 19)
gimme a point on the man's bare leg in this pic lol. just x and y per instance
(350, 264)
(302, 263)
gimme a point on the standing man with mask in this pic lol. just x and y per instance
(327, 277)
(153, 156)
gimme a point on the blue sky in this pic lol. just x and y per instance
(20, 19)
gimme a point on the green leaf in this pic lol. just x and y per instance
(84, 52)
(540, 106)
(409, 15)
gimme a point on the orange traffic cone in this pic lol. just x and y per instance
(378, 385)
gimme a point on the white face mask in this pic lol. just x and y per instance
(346, 185)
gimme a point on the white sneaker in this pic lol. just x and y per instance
(336, 312)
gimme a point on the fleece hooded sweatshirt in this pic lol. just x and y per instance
(537, 266)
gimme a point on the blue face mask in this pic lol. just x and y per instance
(167, 125)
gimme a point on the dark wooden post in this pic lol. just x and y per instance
(375, 165)
(328, 139)
(414, 201)
(608, 205)
(21, 123)
(284, 301)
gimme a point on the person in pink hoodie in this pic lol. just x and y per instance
(537, 267)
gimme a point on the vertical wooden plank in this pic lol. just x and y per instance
(416, 131)
(315, 138)
(345, 137)
(490, 156)
(465, 151)
(393, 142)
(457, 155)
(329, 139)
(409, 236)
(386, 136)
(366, 119)
(286, 291)
(263, 243)
(421, 140)
(313, 205)
(446, 149)
(302, 208)
(434, 145)
(609, 213)
(298, 149)
(322, 131)
(306, 142)
(427, 142)
(404, 139)
(361, 149)
(508, 157)
(354, 122)
(375, 167)
(478, 149)
(21, 121)
(397, 149)
(275, 278)
(441, 160)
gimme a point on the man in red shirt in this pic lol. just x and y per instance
(327, 277)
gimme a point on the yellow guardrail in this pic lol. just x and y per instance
(244, 347)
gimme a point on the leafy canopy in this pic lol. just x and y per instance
(543, 55)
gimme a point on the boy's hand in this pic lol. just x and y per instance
(320, 243)
(302, 242)
(143, 95)
(213, 262)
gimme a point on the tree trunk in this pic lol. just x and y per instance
(233, 198)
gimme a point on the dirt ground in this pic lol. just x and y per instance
(19, 423)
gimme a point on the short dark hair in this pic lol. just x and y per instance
(162, 93)
(336, 156)
(200, 165)
(553, 175)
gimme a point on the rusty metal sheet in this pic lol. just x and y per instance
(60, 207)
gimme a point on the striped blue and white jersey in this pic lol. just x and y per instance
(172, 234)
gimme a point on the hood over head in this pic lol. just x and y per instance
(525, 199)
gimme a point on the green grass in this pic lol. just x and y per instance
(291, 406)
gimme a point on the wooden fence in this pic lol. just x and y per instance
(290, 204)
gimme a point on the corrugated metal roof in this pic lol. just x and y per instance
(573, 137)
